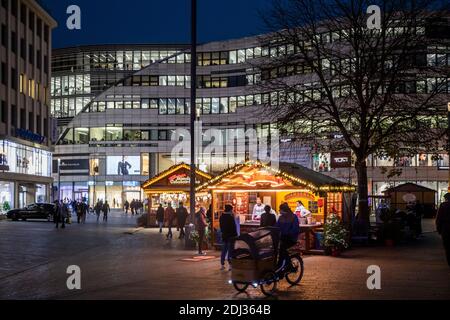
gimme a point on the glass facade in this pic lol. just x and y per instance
(17, 158)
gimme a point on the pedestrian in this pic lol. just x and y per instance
(106, 209)
(61, 214)
(200, 219)
(84, 212)
(79, 211)
(288, 224)
(268, 219)
(132, 206)
(443, 224)
(126, 206)
(181, 219)
(97, 208)
(160, 217)
(169, 216)
(229, 232)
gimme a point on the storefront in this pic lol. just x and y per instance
(25, 174)
(244, 184)
(115, 192)
(172, 186)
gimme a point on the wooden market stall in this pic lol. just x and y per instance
(399, 197)
(172, 186)
(243, 184)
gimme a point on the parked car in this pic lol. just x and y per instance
(33, 211)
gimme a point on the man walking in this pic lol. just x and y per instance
(169, 217)
(443, 224)
(61, 214)
(181, 219)
(79, 211)
(126, 206)
(228, 229)
(160, 217)
(106, 209)
(98, 208)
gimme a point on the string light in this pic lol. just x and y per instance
(296, 180)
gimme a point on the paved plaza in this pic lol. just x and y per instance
(118, 261)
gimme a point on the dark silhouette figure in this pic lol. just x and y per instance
(268, 219)
(443, 224)
(181, 219)
(106, 209)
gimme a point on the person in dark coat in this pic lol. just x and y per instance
(268, 219)
(98, 209)
(132, 206)
(126, 206)
(106, 209)
(79, 210)
(289, 231)
(160, 217)
(181, 219)
(61, 214)
(169, 217)
(228, 229)
(443, 224)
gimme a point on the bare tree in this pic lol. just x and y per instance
(329, 73)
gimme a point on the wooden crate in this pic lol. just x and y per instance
(248, 270)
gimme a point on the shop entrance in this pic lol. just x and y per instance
(81, 194)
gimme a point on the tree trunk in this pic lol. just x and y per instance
(363, 198)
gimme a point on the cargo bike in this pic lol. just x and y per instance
(255, 262)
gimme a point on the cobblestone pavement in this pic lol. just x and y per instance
(118, 261)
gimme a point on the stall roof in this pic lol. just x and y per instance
(409, 187)
(172, 170)
(296, 174)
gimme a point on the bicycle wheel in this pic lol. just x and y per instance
(269, 284)
(240, 287)
(295, 275)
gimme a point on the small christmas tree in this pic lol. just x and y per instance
(6, 206)
(335, 234)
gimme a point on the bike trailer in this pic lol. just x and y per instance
(254, 254)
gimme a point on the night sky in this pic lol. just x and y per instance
(155, 21)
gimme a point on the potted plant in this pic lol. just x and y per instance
(335, 235)
(195, 237)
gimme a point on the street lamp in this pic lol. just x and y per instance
(59, 180)
(193, 105)
(448, 143)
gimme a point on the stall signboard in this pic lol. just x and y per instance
(179, 179)
(341, 159)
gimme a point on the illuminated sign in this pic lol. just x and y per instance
(341, 159)
(296, 195)
(181, 178)
(30, 136)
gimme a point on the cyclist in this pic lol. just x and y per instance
(289, 231)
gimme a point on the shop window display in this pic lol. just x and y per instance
(321, 162)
